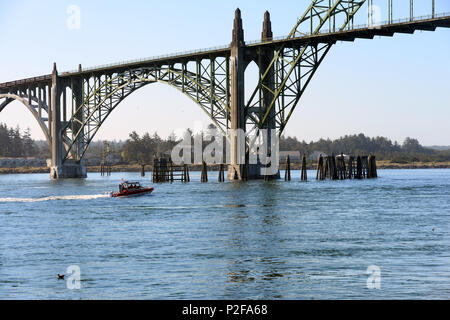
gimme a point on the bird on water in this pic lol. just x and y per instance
(61, 276)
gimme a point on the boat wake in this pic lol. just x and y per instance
(56, 198)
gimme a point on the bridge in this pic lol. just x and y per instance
(70, 107)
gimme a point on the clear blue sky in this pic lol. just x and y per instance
(394, 87)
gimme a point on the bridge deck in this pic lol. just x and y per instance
(428, 23)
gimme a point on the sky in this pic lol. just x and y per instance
(394, 87)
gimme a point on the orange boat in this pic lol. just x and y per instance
(130, 189)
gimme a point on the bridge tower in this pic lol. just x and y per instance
(265, 58)
(60, 168)
(240, 59)
(237, 117)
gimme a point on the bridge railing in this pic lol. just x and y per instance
(358, 27)
(164, 56)
(25, 81)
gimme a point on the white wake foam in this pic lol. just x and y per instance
(55, 198)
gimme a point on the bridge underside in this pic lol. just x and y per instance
(71, 107)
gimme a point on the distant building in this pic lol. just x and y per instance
(293, 155)
(316, 154)
(22, 162)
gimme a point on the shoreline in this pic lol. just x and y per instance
(294, 166)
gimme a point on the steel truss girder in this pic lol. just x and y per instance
(205, 81)
(34, 104)
(292, 68)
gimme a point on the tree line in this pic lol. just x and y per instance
(15, 144)
(383, 148)
(142, 148)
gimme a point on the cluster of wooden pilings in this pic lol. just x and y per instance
(287, 173)
(204, 176)
(105, 169)
(339, 168)
(165, 171)
(328, 167)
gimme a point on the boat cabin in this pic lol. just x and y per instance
(129, 186)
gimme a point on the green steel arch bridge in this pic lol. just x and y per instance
(70, 107)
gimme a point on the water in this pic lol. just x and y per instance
(251, 240)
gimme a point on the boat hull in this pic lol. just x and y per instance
(134, 193)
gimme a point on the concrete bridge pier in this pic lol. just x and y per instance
(269, 82)
(239, 61)
(237, 119)
(60, 169)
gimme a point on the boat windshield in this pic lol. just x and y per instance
(131, 185)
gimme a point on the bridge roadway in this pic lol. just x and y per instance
(426, 23)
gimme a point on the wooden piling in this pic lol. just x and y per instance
(350, 167)
(244, 173)
(154, 169)
(171, 170)
(142, 170)
(185, 174)
(188, 177)
(326, 164)
(365, 166)
(344, 167)
(333, 171)
(372, 168)
(340, 167)
(204, 177)
(359, 172)
(319, 174)
(304, 175)
(287, 173)
(221, 173)
(105, 169)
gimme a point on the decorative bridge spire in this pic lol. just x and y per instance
(238, 31)
(267, 27)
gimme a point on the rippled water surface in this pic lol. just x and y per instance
(255, 240)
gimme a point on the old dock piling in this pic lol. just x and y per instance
(337, 168)
(287, 173)
(185, 176)
(332, 167)
(359, 169)
(105, 169)
(341, 167)
(165, 171)
(160, 170)
(372, 163)
(204, 177)
(221, 173)
(304, 175)
(320, 169)
(142, 170)
(351, 167)
(245, 172)
(365, 166)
